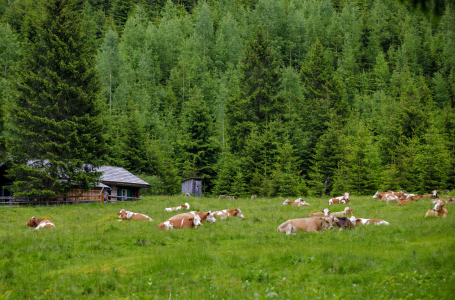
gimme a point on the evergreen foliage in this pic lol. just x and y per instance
(57, 140)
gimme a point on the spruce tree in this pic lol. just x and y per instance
(57, 139)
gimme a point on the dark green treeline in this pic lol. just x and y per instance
(268, 97)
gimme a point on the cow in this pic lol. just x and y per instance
(186, 221)
(451, 200)
(223, 214)
(403, 201)
(298, 202)
(390, 197)
(413, 197)
(434, 201)
(230, 198)
(342, 199)
(359, 221)
(186, 205)
(434, 194)
(325, 212)
(379, 195)
(437, 210)
(313, 224)
(342, 222)
(346, 211)
(39, 223)
(254, 197)
(129, 215)
(203, 215)
(222, 196)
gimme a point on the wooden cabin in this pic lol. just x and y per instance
(116, 184)
(192, 186)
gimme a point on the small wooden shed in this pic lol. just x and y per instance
(192, 186)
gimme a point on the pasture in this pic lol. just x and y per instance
(91, 255)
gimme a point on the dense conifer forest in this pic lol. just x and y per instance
(266, 97)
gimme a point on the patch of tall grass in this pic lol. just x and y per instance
(91, 255)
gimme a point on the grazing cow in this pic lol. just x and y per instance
(298, 202)
(325, 212)
(437, 210)
(342, 199)
(342, 222)
(403, 201)
(359, 221)
(346, 211)
(39, 223)
(254, 197)
(223, 214)
(313, 224)
(203, 215)
(186, 221)
(186, 205)
(129, 215)
(434, 194)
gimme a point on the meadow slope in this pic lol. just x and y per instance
(91, 255)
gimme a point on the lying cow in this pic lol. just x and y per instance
(129, 215)
(342, 222)
(434, 194)
(346, 211)
(403, 201)
(298, 202)
(313, 224)
(390, 197)
(342, 199)
(203, 215)
(325, 212)
(437, 210)
(254, 197)
(186, 205)
(359, 221)
(39, 223)
(186, 221)
(223, 214)
(413, 197)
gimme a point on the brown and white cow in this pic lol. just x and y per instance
(360, 221)
(129, 215)
(313, 224)
(223, 214)
(254, 197)
(342, 222)
(413, 197)
(437, 210)
(39, 223)
(205, 216)
(403, 201)
(325, 212)
(390, 197)
(298, 202)
(186, 206)
(434, 194)
(379, 195)
(342, 199)
(186, 221)
(346, 211)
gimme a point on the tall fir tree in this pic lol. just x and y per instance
(57, 138)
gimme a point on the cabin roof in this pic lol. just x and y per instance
(118, 175)
(194, 178)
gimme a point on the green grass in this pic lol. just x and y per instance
(91, 255)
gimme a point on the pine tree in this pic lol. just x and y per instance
(258, 101)
(57, 138)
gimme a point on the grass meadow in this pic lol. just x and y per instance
(90, 255)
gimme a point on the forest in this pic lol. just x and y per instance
(265, 97)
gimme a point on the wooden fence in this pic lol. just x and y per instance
(65, 199)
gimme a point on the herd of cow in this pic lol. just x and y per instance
(316, 222)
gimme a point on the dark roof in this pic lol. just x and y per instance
(120, 176)
(195, 178)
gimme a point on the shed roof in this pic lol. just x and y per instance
(118, 175)
(195, 178)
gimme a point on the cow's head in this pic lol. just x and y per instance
(437, 206)
(326, 223)
(375, 196)
(348, 210)
(31, 222)
(286, 201)
(346, 195)
(196, 221)
(120, 213)
(238, 213)
(186, 205)
(210, 218)
(354, 220)
(435, 193)
(298, 200)
(326, 212)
